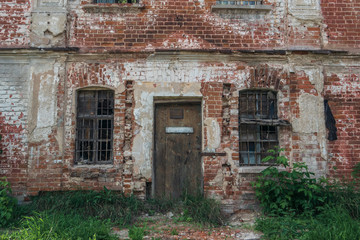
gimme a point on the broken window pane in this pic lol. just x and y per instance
(256, 136)
(94, 132)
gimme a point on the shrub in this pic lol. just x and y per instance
(284, 191)
(301, 207)
(7, 203)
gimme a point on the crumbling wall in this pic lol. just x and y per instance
(14, 99)
(14, 23)
(342, 24)
(168, 49)
(342, 90)
(174, 24)
(104, 74)
(45, 124)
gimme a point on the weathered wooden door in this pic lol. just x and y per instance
(177, 163)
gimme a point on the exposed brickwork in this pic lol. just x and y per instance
(173, 49)
(342, 21)
(172, 24)
(13, 124)
(14, 23)
(114, 176)
(343, 92)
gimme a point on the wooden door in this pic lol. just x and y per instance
(177, 162)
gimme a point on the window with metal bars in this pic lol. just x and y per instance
(94, 126)
(257, 125)
(116, 1)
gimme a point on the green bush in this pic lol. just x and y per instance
(7, 203)
(300, 207)
(281, 192)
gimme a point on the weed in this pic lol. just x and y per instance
(174, 231)
(105, 204)
(60, 226)
(281, 228)
(137, 233)
(7, 203)
(281, 192)
(333, 223)
(302, 207)
(161, 205)
(202, 210)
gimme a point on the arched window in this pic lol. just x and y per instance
(258, 123)
(94, 126)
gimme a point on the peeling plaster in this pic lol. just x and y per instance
(43, 110)
(213, 134)
(144, 94)
(311, 119)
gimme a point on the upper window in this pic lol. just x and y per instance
(94, 126)
(257, 125)
(117, 1)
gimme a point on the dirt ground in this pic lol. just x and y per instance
(239, 227)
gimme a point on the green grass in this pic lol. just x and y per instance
(137, 233)
(91, 215)
(202, 210)
(333, 223)
(61, 226)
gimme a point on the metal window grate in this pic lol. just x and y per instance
(256, 137)
(95, 123)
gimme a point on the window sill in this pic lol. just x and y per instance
(113, 7)
(256, 169)
(93, 166)
(239, 7)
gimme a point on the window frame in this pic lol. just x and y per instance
(259, 121)
(97, 130)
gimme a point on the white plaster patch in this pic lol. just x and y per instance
(213, 134)
(144, 94)
(43, 114)
(311, 118)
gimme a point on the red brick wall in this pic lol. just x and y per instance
(172, 24)
(14, 23)
(13, 124)
(343, 93)
(342, 21)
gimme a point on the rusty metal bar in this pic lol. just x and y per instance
(94, 132)
(257, 125)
